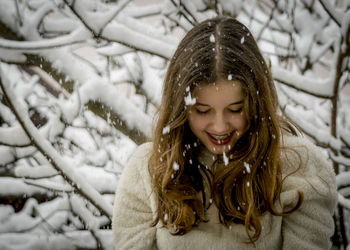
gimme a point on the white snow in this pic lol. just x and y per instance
(13, 186)
(12, 56)
(212, 38)
(152, 83)
(314, 86)
(39, 172)
(247, 167)
(176, 166)
(60, 163)
(166, 130)
(6, 155)
(76, 36)
(225, 158)
(321, 135)
(134, 117)
(124, 70)
(189, 100)
(126, 35)
(14, 136)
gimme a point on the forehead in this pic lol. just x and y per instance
(225, 91)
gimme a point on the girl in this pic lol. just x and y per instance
(225, 170)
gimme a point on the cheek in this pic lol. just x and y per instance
(240, 123)
(197, 122)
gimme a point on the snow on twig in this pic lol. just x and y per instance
(144, 11)
(79, 208)
(320, 135)
(67, 171)
(318, 88)
(333, 13)
(13, 187)
(113, 13)
(341, 160)
(129, 112)
(77, 36)
(343, 179)
(14, 136)
(50, 185)
(120, 31)
(128, 36)
(345, 203)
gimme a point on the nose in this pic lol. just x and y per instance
(220, 125)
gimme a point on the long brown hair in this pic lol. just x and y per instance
(218, 48)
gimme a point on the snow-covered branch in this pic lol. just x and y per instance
(336, 15)
(77, 36)
(124, 31)
(320, 88)
(14, 136)
(100, 67)
(344, 202)
(50, 153)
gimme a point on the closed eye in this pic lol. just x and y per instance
(202, 111)
(236, 110)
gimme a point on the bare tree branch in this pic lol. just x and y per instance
(332, 12)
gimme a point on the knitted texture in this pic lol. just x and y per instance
(310, 227)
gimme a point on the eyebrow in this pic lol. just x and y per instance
(234, 103)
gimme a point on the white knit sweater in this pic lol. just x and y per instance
(310, 227)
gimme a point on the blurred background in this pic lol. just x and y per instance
(81, 82)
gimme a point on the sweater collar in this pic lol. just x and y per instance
(211, 161)
(207, 158)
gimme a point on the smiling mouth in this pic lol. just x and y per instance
(220, 139)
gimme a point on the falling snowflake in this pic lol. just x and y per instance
(247, 167)
(189, 100)
(166, 130)
(225, 159)
(176, 166)
(212, 38)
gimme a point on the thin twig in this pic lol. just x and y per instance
(117, 11)
(18, 14)
(331, 12)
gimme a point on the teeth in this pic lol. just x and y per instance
(220, 137)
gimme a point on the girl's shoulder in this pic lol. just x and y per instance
(142, 151)
(138, 161)
(300, 157)
(296, 141)
(308, 176)
(137, 164)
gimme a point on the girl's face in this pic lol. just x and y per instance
(217, 118)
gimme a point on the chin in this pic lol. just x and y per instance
(215, 149)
